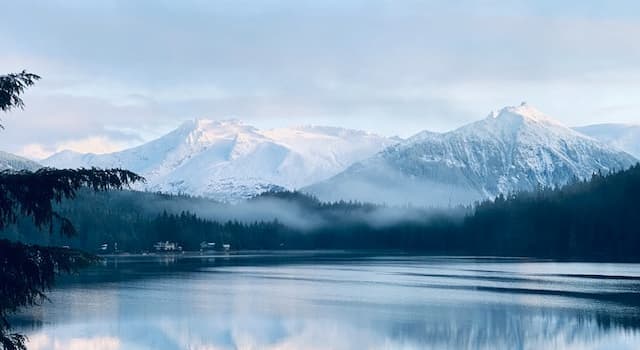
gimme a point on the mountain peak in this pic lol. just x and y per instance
(517, 148)
(202, 130)
(205, 124)
(229, 160)
(524, 112)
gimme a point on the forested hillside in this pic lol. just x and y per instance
(598, 219)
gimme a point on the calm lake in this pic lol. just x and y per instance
(334, 300)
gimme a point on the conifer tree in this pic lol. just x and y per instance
(28, 271)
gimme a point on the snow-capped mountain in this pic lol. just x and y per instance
(229, 160)
(10, 161)
(514, 149)
(623, 136)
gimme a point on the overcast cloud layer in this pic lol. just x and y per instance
(117, 73)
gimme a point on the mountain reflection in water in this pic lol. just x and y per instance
(339, 301)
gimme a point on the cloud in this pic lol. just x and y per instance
(92, 144)
(85, 124)
(35, 151)
(395, 68)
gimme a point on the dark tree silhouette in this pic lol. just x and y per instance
(27, 271)
(595, 219)
(26, 193)
(12, 86)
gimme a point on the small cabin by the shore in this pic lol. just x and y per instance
(167, 246)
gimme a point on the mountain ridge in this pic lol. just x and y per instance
(517, 148)
(9, 161)
(623, 136)
(511, 149)
(229, 160)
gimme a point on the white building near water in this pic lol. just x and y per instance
(167, 246)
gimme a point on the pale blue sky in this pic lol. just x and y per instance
(117, 73)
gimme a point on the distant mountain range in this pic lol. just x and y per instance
(517, 148)
(623, 136)
(229, 161)
(10, 161)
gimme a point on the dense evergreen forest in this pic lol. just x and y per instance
(594, 219)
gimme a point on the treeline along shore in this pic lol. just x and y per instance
(598, 219)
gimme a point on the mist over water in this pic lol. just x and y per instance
(329, 300)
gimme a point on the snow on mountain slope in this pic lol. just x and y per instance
(515, 149)
(10, 161)
(228, 160)
(623, 136)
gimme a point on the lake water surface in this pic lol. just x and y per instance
(333, 300)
